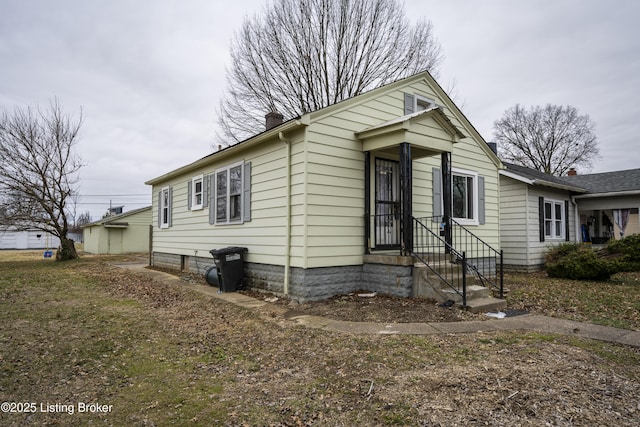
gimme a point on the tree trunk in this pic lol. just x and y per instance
(67, 250)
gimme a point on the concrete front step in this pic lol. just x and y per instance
(449, 271)
(479, 298)
(473, 292)
(482, 305)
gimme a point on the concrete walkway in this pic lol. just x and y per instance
(531, 322)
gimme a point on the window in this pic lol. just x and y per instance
(554, 219)
(465, 196)
(164, 203)
(468, 196)
(422, 103)
(196, 191)
(229, 191)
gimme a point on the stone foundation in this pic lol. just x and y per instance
(264, 277)
(520, 268)
(388, 275)
(313, 284)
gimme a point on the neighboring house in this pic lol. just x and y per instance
(128, 232)
(609, 208)
(29, 239)
(538, 210)
(338, 199)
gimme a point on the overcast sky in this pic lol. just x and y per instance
(148, 75)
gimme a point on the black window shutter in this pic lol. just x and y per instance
(541, 217)
(408, 104)
(189, 189)
(566, 220)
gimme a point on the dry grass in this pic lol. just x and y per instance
(162, 354)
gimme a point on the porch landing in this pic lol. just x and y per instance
(426, 283)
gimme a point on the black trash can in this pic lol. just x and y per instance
(228, 274)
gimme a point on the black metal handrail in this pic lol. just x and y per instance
(450, 262)
(484, 260)
(489, 265)
(441, 258)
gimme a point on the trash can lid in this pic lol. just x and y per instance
(228, 250)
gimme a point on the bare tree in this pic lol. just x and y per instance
(79, 222)
(38, 168)
(302, 55)
(551, 139)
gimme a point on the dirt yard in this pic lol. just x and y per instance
(163, 354)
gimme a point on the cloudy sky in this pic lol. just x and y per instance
(148, 75)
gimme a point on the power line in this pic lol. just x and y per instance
(114, 202)
(114, 195)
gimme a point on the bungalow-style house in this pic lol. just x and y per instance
(347, 197)
(11, 238)
(128, 232)
(609, 207)
(538, 210)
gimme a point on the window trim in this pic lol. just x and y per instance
(240, 195)
(197, 206)
(475, 220)
(165, 219)
(422, 100)
(554, 235)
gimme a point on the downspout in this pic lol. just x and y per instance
(576, 219)
(287, 246)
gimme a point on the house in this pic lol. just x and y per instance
(609, 208)
(343, 198)
(538, 210)
(11, 238)
(128, 232)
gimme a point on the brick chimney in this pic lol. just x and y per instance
(572, 172)
(272, 119)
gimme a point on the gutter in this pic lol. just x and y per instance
(576, 219)
(541, 182)
(228, 151)
(609, 194)
(116, 224)
(287, 247)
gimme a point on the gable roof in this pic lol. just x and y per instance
(116, 220)
(535, 177)
(407, 119)
(305, 120)
(608, 182)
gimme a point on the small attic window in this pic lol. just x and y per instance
(423, 103)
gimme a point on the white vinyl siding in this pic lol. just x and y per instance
(520, 223)
(514, 224)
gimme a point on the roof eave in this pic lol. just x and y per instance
(542, 182)
(609, 194)
(116, 225)
(225, 152)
